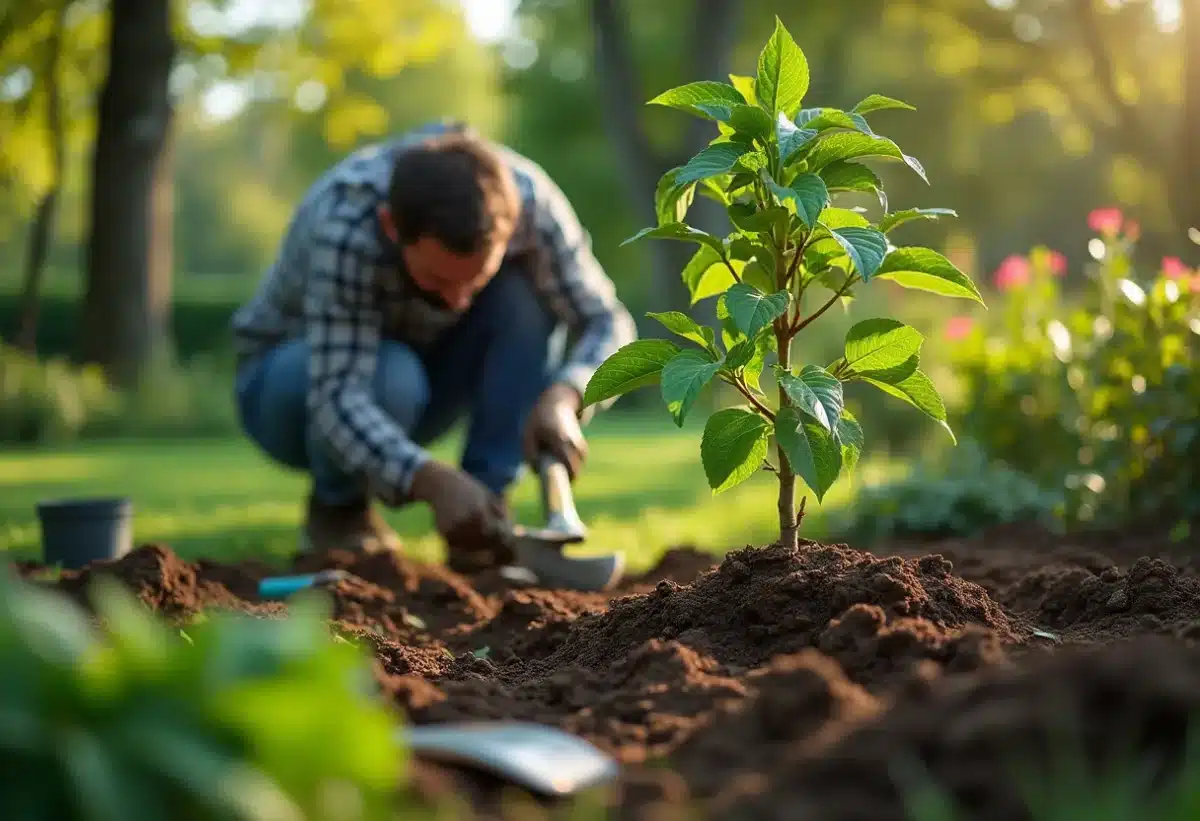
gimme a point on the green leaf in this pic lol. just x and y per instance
(879, 345)
(632, 366)
(682, 380)
(753, 161)
(745, 86)
(733, 447)
(815, 391)
(918, 390)
(756, 275)
(677, 231)
(747, 217)
(810, 449)
(791, 138)
(672, 200)
(809, 193)
(683, 325)
(878, 102)
(707, 275)
(706, 92)
(824, 119)
(753, 310)
(866, 248)
(834, 217)
(715, 111)
(745, 351)
(713, 188)
(842, 145)
(850, 436)
(719, 158)
(751, 120)
(844, 175)
(783, 77)
(908, 215)
(926, 270)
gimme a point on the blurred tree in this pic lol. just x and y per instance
(278, 51)
(41, 227)
(1122, 75)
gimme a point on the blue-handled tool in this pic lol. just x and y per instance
(280, 587)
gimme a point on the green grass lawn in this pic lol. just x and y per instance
(643, 491)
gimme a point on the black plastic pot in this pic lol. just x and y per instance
(76, 532)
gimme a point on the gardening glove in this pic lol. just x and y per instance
(553, 427)
(465, 512)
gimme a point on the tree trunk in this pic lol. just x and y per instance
(1189, 136)
(42, 227)
(124, 315)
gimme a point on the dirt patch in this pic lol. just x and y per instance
(770, 602)
(978, 739)
(774, 682)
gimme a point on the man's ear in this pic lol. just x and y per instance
(389, 224)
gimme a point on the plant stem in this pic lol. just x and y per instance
(788, 526)
(801, 325)
(744, 389)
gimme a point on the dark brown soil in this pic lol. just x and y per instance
(777, 683)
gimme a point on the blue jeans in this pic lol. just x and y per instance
(493, 365)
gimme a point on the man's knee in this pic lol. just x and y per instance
(401, 384)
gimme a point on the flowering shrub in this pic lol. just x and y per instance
(1095, 396)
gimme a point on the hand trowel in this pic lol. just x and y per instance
(539, 551)
(540, 758)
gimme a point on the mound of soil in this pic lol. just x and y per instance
(979, 740)
(779, 682)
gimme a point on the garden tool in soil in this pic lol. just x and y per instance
(280, 587)
(540, 550)
(541, 759)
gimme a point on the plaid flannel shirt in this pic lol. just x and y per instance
(339, 284)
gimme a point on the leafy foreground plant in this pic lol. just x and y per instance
(239, 719)
(775, 166)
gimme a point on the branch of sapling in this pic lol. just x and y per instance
(800, 326)
(739, 382)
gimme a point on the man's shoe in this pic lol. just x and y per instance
(356, 527)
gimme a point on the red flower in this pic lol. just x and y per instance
(1058, 263)
(1173, 268)
(1012, 273)
(1105, 221)
(957, 327)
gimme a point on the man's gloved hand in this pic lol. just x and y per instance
(466, 513)
(553, 426)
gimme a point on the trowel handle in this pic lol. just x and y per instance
(558, 503)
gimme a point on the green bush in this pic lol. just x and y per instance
(238, 719)
(1096, 397)
(959, 498)
(198, 326)
(53, 401)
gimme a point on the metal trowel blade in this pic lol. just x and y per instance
(539, 758)
(554, 569)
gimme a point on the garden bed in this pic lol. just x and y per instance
(777, 683)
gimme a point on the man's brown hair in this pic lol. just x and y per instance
(456, 189)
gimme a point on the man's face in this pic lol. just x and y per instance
(452, 279)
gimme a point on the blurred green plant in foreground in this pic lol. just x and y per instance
(237, 719)
(1097, 396)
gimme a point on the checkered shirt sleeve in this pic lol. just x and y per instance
(343, 322)
(578, 290)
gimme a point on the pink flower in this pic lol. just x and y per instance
(1173, 268)
(958, 327)
(1133, 230)
(1012, 273)
(1058, 263)
(1105, 221)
